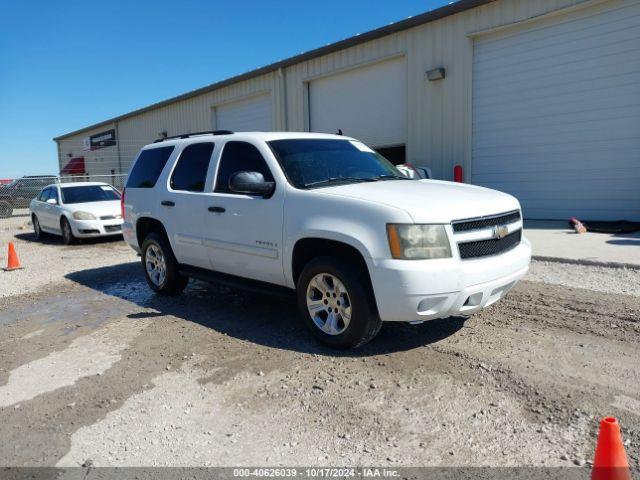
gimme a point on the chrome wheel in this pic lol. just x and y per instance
(328, 304)
(156, 265)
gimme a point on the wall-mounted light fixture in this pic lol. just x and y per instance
(164, 134)
(436, 74)
(69, 155)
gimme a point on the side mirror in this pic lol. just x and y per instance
(252, 183)
(52, 201)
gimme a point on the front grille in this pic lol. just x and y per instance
(485, 222)
(112, 228)
(108, 217)
(484, 248)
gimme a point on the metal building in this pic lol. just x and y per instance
(538, 98)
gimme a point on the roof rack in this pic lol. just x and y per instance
(187, 135)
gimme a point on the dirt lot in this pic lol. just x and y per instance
(95, 367)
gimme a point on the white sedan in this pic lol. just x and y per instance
(77, 210)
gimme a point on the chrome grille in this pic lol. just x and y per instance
(485, 222)
(494, 246)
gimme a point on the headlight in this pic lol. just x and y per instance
(84, 216)
(418, 242)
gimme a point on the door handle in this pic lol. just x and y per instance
(217, 209)
(167, 203)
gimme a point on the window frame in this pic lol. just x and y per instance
(219, 165)
(57, 194)
(177, 160)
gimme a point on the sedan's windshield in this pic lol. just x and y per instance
(311, 163)
(90, 193)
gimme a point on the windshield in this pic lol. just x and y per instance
(91, 193)
(311, 163)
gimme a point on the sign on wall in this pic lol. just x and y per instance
(102, 139)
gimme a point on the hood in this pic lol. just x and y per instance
(431, 201)
(99, 209)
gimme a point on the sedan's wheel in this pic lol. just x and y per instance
(161, 266)
(328, 304)
(36, 228)
(337, 303)
(5, 209)
(67, 234)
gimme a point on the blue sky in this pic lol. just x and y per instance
(67, 64)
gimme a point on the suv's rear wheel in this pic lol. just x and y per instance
(336, 304)
(160, 266)
(67, 234)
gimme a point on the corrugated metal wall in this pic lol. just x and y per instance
(439, 113)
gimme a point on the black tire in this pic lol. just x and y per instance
(68, 238)
(37, 230)
(6, 209)
(365, 322)
(173, 283)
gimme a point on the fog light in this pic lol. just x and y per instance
(431, 305)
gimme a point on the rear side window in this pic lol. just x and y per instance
(240, 157)
(148, 167)
(191, 169)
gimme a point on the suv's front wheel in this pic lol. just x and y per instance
(336, 303)
(161, 266)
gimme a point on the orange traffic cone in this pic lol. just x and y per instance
(610, 462)
(12, 262)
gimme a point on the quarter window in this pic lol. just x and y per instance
(240, 157)
(44, 194)
(191, 170)
(148, 167)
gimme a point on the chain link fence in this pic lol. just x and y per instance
(16, 194)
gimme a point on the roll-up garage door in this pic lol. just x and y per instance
(556, 114)
(250, 114)
(368, 103)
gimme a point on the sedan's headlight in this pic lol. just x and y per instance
(418, 242)
(84, 216)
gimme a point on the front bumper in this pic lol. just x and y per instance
(409, 291)
(96, 228)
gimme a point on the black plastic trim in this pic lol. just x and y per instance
(233, 281)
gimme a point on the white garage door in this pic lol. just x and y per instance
(251, 114)
(368, 103)
(556, 114)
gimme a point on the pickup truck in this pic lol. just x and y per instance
(19, 192)
(323, 218)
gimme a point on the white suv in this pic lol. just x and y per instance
(323, 217)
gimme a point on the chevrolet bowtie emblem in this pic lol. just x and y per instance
(500, 231)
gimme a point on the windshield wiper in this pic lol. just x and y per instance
(391, 177)
(341, 179)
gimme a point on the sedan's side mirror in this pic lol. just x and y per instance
(52, 201)
(252, 183)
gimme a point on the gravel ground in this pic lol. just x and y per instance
(47, 262)
(93, 366)
(600, 279)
